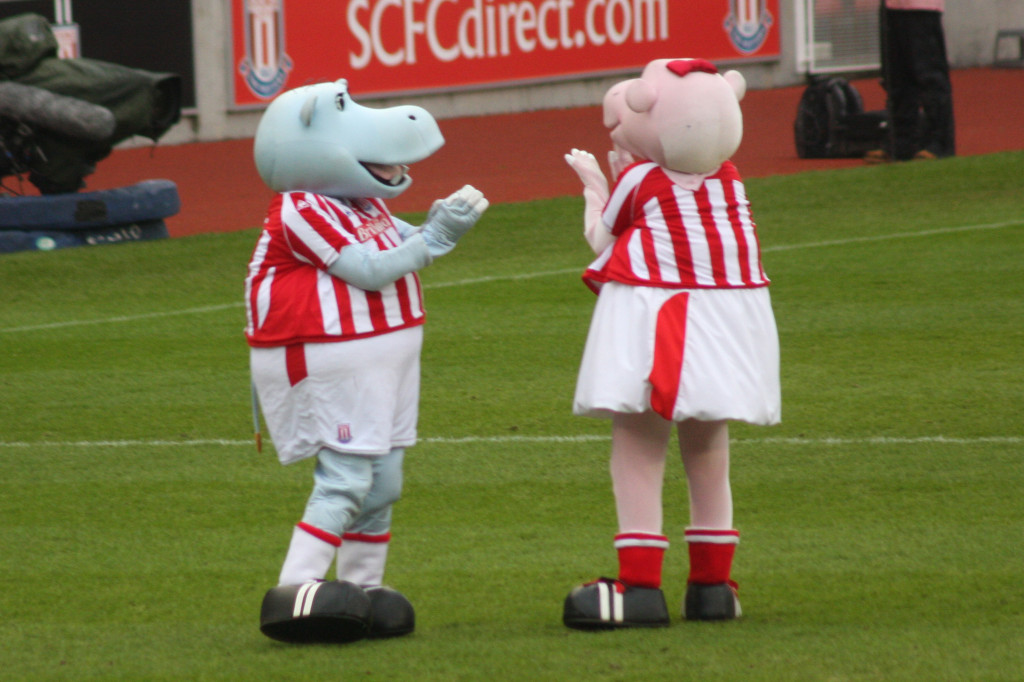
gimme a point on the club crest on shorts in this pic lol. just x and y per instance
(266, 65)
(344, 433)
(747, 24)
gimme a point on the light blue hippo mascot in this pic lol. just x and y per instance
(335, 326)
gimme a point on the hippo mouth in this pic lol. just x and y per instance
(387, 174)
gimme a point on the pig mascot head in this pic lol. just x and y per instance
(316, 138)
(680, 113)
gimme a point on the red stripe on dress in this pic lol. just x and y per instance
(714, 238)
(742, 248)
(669, 343)
(295, 363)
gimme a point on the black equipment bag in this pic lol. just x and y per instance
(831, 122)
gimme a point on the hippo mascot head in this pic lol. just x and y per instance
(316, 138)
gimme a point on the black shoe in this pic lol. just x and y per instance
(711, 602)
(391, 613)
(607, 604)
(331, 612)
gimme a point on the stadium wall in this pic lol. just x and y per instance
(971, 28)
(214, 111)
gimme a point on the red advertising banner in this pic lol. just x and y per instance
(388, 47)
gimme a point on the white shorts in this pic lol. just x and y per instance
(358, 397)
(707, 354)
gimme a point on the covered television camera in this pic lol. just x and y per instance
(59, 117)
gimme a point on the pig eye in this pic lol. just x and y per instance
(339, 101)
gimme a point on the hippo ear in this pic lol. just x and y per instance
(738, 83)
(640, 96)
(306, 114)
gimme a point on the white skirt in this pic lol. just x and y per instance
(359, 397)
(707, 354)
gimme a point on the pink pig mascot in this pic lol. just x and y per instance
(683, 332)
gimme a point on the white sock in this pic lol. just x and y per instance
(361, 558)
(309, 555)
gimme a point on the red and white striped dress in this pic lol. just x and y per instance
(291, 298)
(671, 237)
(683, 324)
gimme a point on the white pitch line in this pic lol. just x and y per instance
(887, 237)
(582, 438)
(503, 278)
(123, 318)
(522, 276)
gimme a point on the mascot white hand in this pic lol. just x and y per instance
(618, 160)
(452, 217)
(586, 166)
(595, 196)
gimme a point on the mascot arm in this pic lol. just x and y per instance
(452, 217)
(594, 230)
(373, 270)
(595, 196)
(405, 229)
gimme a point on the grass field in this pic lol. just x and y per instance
(882, 521)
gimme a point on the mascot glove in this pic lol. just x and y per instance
(586, 166)
(451, 218)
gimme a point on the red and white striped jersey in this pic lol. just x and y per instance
(289, 295)
(668, 236)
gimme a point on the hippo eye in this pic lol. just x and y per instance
(339, 101)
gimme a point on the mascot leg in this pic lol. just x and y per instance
(364, 550)
(304, 608)
(710, 592)
(635, 598)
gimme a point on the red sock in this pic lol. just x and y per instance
(711, 553)
(640, 558)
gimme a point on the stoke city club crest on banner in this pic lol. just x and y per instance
(747, 24)
(265, 66)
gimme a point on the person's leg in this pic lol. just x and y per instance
(902, 92)
(931, 74)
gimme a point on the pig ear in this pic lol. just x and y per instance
(306, 114)
(640, 96)
(738, 83)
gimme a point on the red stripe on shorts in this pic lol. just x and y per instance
(669, 342)
(295, 363)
